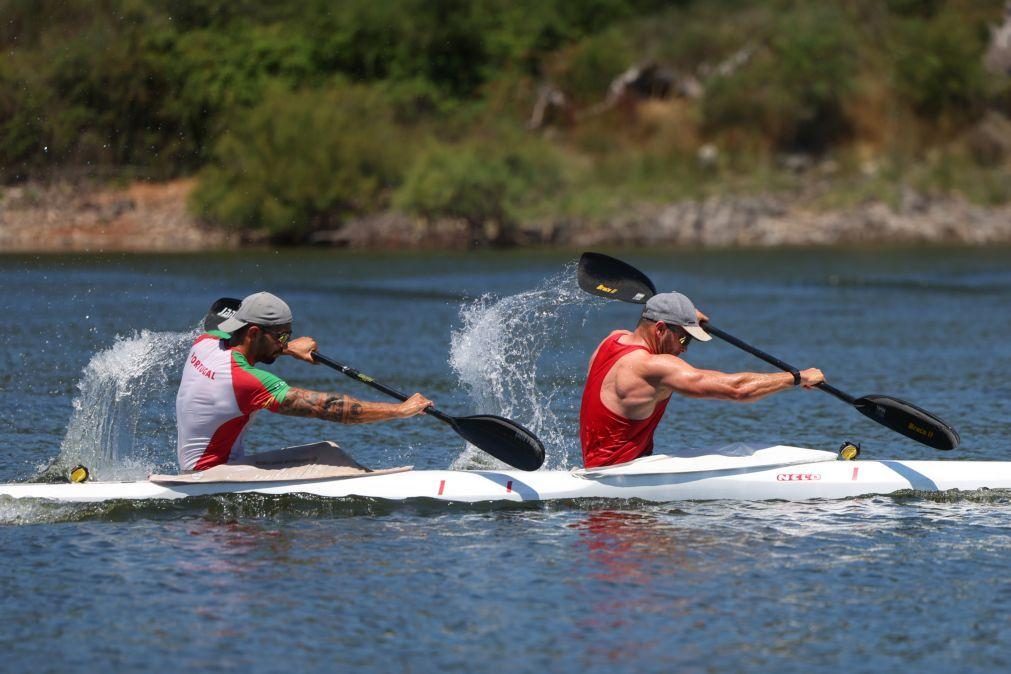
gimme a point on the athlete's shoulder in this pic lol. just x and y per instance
(255, 388)
(663, 364)
(615, 334)
(213, 335)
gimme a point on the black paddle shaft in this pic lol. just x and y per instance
(365, 379)
(772, 360)
(503, 438)
(901, 416)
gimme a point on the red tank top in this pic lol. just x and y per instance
(609, 438)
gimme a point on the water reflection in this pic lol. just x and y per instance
(639, 570)
(624, 545)
(222, 568)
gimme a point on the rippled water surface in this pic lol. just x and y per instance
(92, 351)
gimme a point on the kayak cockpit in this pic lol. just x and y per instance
(318, 461)
(743, 457)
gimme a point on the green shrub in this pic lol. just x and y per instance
(302, 161)
(112, 91)
(488, 184)
(937, 67)
(442, 41)
(922, 8)
(22, 134)
(791, 92)
(588, 68)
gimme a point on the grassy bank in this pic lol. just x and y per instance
(297, 119)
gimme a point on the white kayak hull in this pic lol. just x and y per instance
(658, 478)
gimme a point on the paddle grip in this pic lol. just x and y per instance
(365, 379)
(772, 360)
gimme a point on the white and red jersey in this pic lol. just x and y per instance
(219, 394)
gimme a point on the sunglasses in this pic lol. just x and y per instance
(281, 337)
(684, 339)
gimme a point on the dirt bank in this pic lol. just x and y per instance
(66, 217)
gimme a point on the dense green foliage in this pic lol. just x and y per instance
(298, 162)
(298, 115)
(487, 184)
(791, 94)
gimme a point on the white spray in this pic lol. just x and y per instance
(123, 422)
(499, 355)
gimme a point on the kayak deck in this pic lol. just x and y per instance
(777, 473)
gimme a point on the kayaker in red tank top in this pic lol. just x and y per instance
(632, 376)
(609, 438)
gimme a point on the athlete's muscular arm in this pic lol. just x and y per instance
(740, 386)
(346, 409)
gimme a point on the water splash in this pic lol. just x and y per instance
(123, 424)
(507, 354)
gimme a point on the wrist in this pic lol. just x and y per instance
(797, 379)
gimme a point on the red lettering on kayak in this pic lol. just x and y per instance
(442, 486)
(798, 477)
(509, 487)
(201, 368)
(856, 469)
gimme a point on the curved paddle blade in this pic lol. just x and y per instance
(220, 311)
(605, 276)
(909, 420)
(503, 438)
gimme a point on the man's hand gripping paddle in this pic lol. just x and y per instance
(609, 277)
(503, 438)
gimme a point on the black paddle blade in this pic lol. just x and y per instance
(909, 420)
(503, 438)
(605, 276)
(220, 311)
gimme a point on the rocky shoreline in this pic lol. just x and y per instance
(68, 217)
(152, 217)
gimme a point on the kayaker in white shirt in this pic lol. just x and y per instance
(222, 389)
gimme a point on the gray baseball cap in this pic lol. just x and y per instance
(260, 309)
(675, 309)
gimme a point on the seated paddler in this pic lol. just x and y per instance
(224, 386)
(633, 375)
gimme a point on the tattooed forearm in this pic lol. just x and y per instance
(332, 406)
(344, 409)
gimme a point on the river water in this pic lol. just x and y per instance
(92, 348)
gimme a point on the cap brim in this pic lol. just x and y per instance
(697, 333)
(231, 325)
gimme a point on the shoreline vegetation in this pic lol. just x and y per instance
(178, 125)
(154, 217)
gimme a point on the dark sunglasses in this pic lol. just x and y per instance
(281, 337)
(684, 339)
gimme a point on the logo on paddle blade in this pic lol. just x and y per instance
(919, 430)
(607, 290)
